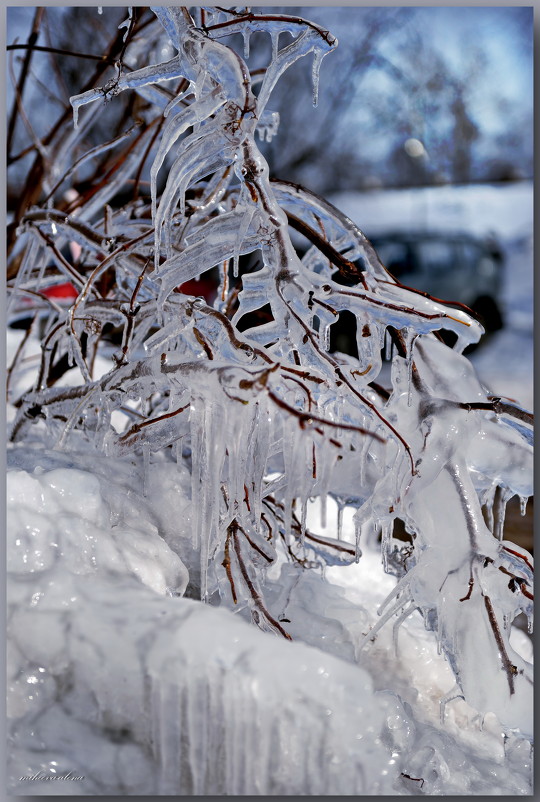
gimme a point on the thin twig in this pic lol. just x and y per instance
(510, 669)
(61, 52)
(239, 19)
(18, 352)
(253, 591)
(139, 426)
(22, 79)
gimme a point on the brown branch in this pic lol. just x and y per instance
(331, 544)
(254, 545)
(89, 154)
(297, 527)
(521, 557)
(138, 426)
(131, 313)
(59, 51)
(509, 667)
(407, 309)
(468, 596)
(326, 35)
(351, 387)
(22, 78)
(106, 179)
(304, 388)
(306, 419)
(525, 592)
(500, 407)
(424, 294)
(253, 591)
(72, 272)
(230, 330)
(32, 189)
(346, 268)
(18, 352)
(20, 108)
(200, 339)
(227, 563)
(303, 374)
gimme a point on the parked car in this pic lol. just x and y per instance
(451, 266)
(454, 267)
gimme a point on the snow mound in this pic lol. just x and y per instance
(154, 693)
(123, 686)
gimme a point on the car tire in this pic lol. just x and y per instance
(489, 313)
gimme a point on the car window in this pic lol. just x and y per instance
(437, 256)
(470, 254)
(396, 257)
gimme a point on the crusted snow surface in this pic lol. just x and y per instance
(114, 676)
(110, 670)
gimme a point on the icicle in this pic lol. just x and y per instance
(175, 101)
(395, 631)
(326, 338)
(178, 448)
(42, 268)
(146, 467)
(274, 35)
(388, 346)
(523, 504)
(488, 507)
(126, 23)
(530, 623)
(198, 85)
(323, 510)
(364, 454)
(303, 517)
(386, 541)
(247, 35)
(439, 630)
(501, 498)
(410, 348)
(398, 606)
(357, 535)
(339, 525)
(454, 693)
(242, 232)
(315, 70)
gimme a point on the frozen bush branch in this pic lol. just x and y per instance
(254, 402)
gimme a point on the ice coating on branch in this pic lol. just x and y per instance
(126, 23)
(133, 80)
(174, 128)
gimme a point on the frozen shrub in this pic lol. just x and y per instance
(243, 388)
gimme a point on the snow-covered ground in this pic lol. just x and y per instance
(121, 686)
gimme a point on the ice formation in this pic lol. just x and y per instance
(265, 418)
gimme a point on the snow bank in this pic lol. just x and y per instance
(115, 678)
(187, 698)
(504, 209)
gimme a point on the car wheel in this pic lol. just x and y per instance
(489, 313)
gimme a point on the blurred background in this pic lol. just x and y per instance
(423, 135)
